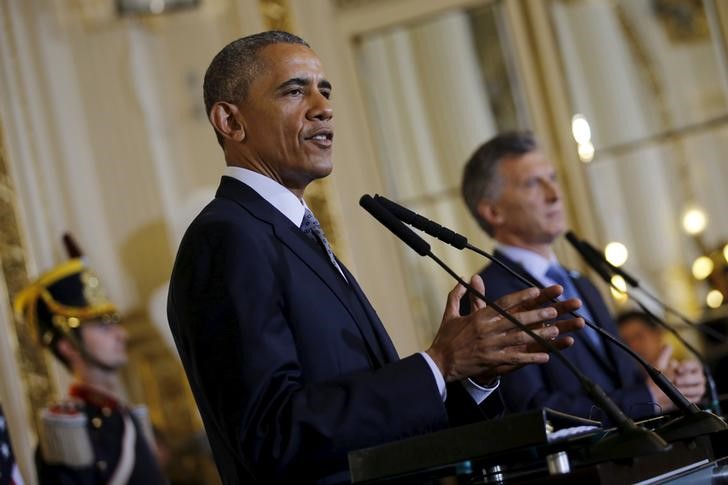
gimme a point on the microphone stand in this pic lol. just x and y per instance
(674, 428)
(631, 440)
(697, 421)
(634, 283)
(596, 259)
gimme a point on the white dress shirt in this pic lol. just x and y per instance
(534, 263)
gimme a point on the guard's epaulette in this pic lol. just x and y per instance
(64, 437)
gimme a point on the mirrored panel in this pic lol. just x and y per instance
(436, 88)
(647, 86)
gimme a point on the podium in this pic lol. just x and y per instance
(532, 447)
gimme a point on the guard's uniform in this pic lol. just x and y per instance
(95, 438)
(92, 437)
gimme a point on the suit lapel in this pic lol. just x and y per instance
(586, 296)
(293, 238)
(385, 343)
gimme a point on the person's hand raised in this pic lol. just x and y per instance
(484, 345)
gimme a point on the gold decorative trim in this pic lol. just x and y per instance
(155, 377)
(684, 21)
(352, 4)
(277, 15)
(31, 360)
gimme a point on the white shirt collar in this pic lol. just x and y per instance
(531, 261)
(274, 193)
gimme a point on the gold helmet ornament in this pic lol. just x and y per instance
(62, 300)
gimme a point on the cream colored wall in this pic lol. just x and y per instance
(106, 137)
(106, 134)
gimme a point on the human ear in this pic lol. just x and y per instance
(66, 349)
(227, 120)
(490, 213)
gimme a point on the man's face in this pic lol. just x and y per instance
(528, 210)
(287, 117)
(106, 343)
(642, 338)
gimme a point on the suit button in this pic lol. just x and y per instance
(96, 422)
(101, 465)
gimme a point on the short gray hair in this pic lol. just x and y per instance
(481, 177)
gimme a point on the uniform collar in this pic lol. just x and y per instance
(95, 396)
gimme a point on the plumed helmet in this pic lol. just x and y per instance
(62, 300)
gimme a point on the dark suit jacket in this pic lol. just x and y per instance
(290, 366)
(553, 385)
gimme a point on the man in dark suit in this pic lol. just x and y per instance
(511, 189)
(290, 366)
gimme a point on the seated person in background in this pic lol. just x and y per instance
(649, 340)
(93, 437)
(511, 189)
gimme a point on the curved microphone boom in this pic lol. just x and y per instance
(594, 258)
(597, 255)
(706, 424)
(632, 439)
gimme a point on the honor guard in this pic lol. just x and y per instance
(93, 436)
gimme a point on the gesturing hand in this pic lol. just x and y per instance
(687, 376)
(484, 344)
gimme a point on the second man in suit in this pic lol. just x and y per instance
(511, 189)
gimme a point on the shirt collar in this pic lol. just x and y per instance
(531, 261)
(274, 193)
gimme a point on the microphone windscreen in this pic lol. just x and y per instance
(419, 245)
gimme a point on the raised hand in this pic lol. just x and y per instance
(484, 345)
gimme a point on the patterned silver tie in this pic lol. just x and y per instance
(311, 227)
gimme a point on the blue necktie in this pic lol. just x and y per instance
(560, 276)
(311, 227)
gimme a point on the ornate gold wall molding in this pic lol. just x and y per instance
(351, 4)
(30, 357)
(682, 20)
(277, 15)
(155, 377)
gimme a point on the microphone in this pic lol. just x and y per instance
(631, 441)
(594, 262)
(662, 382)
(598, 256)
(634, 283)
(422, 223)
(594, 257)
(407, 235)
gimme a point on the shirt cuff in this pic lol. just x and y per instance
(439, 379)
(477, 392)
